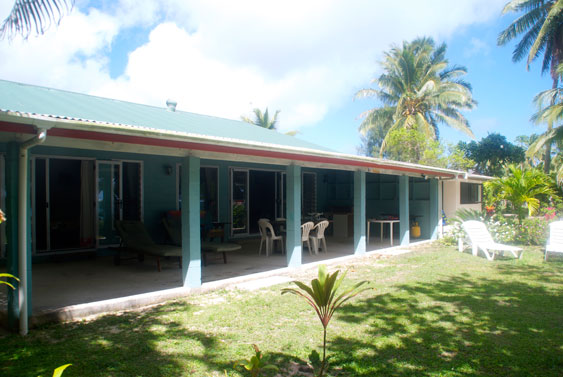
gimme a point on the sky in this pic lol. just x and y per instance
(306, 58)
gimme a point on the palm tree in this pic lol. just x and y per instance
(263, 119)
(521, 187)
(27, 15)
(541, 26)
(550, 111)
(418, 90)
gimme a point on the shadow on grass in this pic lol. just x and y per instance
(458, 327)
(148, 343)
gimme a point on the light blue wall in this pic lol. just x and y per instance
(382, 195)
(159, 192)
(335, 188)
(419, 205)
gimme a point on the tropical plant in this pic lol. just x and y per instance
(533, 231)
(27, 15)
(521, 187)
(263, 119)
(9, 276)
(466, 214)
(324, 298)
(541, 27)
(457, 160)
(418, 89)
(59, 371)
(492, 153)
(255, 364)
(412, 145)
(5, 275)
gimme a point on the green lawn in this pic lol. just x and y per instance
(433, 312)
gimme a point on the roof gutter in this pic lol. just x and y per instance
(22, 227)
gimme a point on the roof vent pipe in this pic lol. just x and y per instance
(171, 104)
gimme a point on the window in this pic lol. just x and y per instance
(309, 194)
(208, 192)
(470, 193)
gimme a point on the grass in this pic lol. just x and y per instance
(433, 312)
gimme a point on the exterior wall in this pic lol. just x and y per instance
(335, 189)
(159, 190)
(159, 187)
(382, 195)
(419, 205)
(451, 195)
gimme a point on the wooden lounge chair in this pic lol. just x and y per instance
(173, 226)
(136, 239)
(555, 241)
(480, 239)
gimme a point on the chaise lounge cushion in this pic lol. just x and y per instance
(136, 238)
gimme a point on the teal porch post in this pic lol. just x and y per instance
(293, 216)
(191, 239)
(404, 232)
(12, 174)
(359, 212)
(224, 208)
(434, 217)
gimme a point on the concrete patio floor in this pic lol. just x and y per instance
(67, 290)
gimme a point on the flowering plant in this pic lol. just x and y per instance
(549, 213)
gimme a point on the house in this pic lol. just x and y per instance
(464, 192)
(72, 164)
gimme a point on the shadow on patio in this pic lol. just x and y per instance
(58, 285)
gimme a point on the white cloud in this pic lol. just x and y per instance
(476, 47)
(69, 57)
(224, 58)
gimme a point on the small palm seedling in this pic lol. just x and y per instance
(4, 275)
(59, 371)
(255, 364)
(323, 296)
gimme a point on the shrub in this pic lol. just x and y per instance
(503, 229)
(533, 231)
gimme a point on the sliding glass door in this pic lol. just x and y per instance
(255, 194)
(109, 202)
(119, 197)
(63, 204)
(239, 201)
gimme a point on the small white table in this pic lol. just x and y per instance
(381, 222)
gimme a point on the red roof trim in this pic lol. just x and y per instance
(143, 140)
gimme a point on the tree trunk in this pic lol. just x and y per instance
(547, 156)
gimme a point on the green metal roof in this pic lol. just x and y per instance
(17, 97)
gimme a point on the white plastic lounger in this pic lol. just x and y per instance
(555, 241)
(480, 238)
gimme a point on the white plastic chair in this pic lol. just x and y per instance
(305, 230)
(318, 236)
(480, 238)
(263, 235)
(555, 241)
(268, 230)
